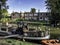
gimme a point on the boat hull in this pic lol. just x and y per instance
(37, 38)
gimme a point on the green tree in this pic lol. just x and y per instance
(53, 7)
(4, 13)
(33, 10)
(3, 8)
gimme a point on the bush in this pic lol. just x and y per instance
(4, 20)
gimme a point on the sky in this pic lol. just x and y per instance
(26, 5)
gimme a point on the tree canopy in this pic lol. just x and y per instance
(3, 8)
(53, 7)
(33, 10)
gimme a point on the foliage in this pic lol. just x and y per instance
(3, 8)
(5, 12)
(4, 20)
(53, 6)
(14, 42)
(33, 10)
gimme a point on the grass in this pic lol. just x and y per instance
(55, 32)
(14, 42)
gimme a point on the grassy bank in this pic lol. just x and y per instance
(14, 42)
(55, 32)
